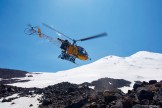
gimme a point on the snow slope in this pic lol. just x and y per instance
(141, 66)
(21, 102)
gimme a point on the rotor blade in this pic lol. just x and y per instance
(93, 37)
(56, 31)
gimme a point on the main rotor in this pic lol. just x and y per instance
(74, 40)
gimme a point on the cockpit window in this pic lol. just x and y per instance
(82, 51)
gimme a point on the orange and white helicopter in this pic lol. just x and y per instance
(70, 51)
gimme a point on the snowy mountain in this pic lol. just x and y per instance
(108, 72)
(141, 66)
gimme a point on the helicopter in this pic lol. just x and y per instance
(70, 50)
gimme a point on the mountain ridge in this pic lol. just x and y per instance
(138, 75)
(128, 68)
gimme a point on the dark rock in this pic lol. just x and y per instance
(144, 93)
(38, 91)
(93, 105)
(158, 85)
(78, 104)
(30, 105)
(152, 81)
(71, 89)
(6, 100)
(144, 83)
(137, 106)
(10, 89)
(145, 102)
(46, 102)
(10, 73)
(109, 84)
(86, 84)
(102, 106)
(12, 103)
(145, 106)
(159, 103)
(118, 104)
(30, 75)
(136, 85)
(158, 95)
(127, 102)
(109, 96)
(10, 81)
(129, 91)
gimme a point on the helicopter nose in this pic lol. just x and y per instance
(85, 57)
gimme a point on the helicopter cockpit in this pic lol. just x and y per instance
(82, 51)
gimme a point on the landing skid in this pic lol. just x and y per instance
(70, 61)
(67, 57)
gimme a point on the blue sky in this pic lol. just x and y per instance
(132, 25)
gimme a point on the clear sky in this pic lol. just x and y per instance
(132, 25)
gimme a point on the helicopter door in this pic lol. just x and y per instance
(72, 50)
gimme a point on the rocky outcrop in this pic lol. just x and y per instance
(109, 84)
(143, 95)
(10, 73)
(67, 95)
(6, 76)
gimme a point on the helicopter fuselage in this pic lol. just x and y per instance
(72, 49)
(77, 51)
